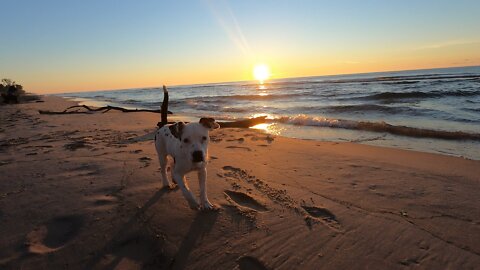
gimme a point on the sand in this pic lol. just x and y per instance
(84, 192)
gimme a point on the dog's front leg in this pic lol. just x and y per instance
(180, 179)
(163, 169)
(202, 179)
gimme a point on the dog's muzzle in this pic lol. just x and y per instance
(197, 156)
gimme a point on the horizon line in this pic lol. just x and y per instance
(275, 79)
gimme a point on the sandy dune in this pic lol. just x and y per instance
(83, 192)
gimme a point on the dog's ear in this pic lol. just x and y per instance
(177, 130)
(209, 123)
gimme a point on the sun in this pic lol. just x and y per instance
(261, 72)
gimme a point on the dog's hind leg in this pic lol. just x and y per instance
(202, 180)
(180, 179)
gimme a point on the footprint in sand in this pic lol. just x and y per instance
(240, 140)
(245, 200)
(268, 138)
(103, 202)
(250, 263)
(322, 214)
(54, 235)
(145, 161)
(239, 147)
(215, 139)
(73, 146)
(85, 169)
(318, 212)
(4, 162)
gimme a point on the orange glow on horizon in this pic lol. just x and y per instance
(46, 82)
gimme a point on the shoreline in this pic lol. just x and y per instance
(325, 133)
(83, 192)
(180, 117)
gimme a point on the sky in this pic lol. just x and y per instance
(69, 46)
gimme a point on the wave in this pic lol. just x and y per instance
(368, 108)
(472, 109)
(223, 99)
(304, 120)
(219, 108)
(419, 94)
(401, 79)
(263, 97)
(402, 82)
(395, 79)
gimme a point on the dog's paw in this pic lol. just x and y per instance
(172, 186)
(194, 205)
(208, 206)
(169, 186)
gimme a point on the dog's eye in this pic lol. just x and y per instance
(186, 140)
(204, 138)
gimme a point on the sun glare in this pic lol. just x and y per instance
(261, 72)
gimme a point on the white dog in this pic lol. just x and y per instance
(188, 145)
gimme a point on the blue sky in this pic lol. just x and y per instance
(58, 46)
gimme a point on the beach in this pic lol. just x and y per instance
(83, 191)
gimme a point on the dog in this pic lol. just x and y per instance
(188, 145)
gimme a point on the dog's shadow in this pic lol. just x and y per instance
(201, 225)
(125, 229)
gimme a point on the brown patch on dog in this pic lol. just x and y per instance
(177, 129)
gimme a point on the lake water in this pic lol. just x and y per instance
(435, 110)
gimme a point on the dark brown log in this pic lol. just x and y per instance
(246, 123)
(164, 108)
(101, 109)
(163, 111)
(243, 123)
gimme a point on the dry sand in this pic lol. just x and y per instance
(83, 192)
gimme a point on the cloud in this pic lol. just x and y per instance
(448, 43)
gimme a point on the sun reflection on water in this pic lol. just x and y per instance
(261, 87)
(267, 116)
(270, 128)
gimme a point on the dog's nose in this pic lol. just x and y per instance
(197, 156)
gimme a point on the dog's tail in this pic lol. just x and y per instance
(164, 109)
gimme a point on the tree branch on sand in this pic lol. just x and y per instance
(100, 109)
(246, 123)
(243, 123)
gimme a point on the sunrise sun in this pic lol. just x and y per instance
(261, 72)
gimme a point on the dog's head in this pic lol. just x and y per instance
(194, 138)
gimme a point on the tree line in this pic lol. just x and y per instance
(11, 92)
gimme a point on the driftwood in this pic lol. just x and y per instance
(246, 123)
(163, 111)
(243, 123)
(164, 108)
(235, 124)
(100, 109)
